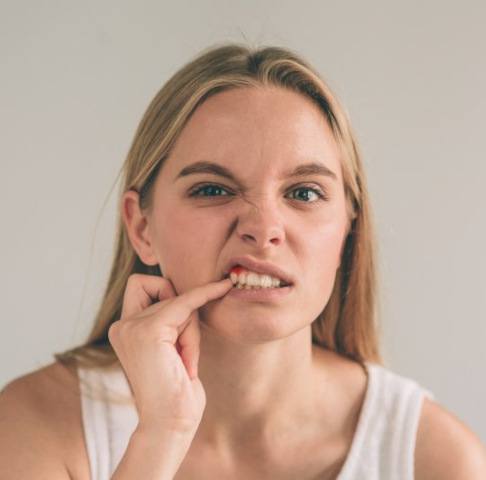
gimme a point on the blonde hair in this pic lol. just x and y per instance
(348, 324)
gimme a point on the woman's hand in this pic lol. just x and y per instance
(158, 347)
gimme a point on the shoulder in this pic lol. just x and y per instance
(35, 418)
(49, 392)
(55, 375)
(446, 448)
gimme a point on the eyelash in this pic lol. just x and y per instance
(196, 190)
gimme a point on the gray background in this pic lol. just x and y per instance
(77, 76)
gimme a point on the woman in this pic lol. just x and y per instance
(239, 320)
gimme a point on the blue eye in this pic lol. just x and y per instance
(212, 188)
(209, 187)
(315, 191)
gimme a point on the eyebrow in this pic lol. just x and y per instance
(306, 169)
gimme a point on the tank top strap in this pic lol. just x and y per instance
(109, 417)
(384, 443)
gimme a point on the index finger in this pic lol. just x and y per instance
(187, 302)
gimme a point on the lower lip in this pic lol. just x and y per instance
(261, 294)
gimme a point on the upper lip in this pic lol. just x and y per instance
(258, 266)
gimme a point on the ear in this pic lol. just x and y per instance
(137, 227)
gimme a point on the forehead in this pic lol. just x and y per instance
(266, 126)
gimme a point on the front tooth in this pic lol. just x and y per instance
(253, 279)
(242, 278)
(238, 277)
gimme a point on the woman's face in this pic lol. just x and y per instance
(259, 135)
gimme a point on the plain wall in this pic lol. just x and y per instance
(76, 78)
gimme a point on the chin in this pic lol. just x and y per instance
(247, 327)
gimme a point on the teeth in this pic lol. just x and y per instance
(252, 280)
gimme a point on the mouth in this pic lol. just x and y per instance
(237, 269)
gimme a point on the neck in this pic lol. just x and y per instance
(256, 393)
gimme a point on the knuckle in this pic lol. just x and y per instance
(117, 329)
(112, 328)
(112, 332)
(133, 278)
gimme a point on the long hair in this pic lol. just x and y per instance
(348, 324)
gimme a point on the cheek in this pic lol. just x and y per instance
(183, 244)
(324, 253)
(178, 229)
(320, 262)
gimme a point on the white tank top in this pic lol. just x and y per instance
(383, 445)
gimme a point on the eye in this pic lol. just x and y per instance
(211, 189)
(320, 195)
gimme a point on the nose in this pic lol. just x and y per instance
(260, 224)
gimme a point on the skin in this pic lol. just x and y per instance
(274, 402)
(265, 382)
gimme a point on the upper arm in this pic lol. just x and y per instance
(29, 447)
(446, 448)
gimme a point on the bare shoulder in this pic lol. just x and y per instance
(446, 448)
(37, 413)
(50, 392)
(44, 382)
